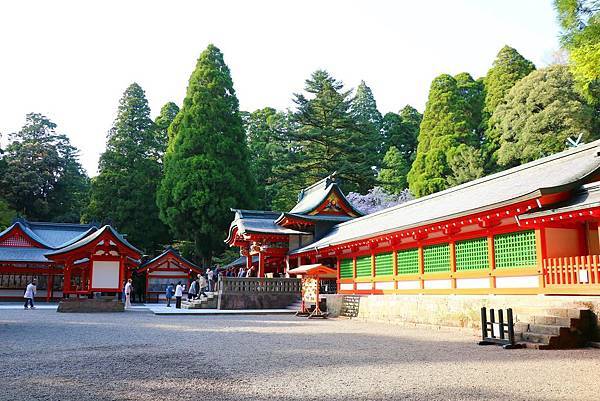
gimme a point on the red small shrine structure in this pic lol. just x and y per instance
(99, 262)
(168, 267)
(271, 235)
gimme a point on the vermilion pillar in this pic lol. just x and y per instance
(261, 264)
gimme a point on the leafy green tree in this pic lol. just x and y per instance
(163, 121)
(402, 130)
(327, 138)
(6, 214)
(206, 164)
(580, 21)
(473, 94)
(124, 191)
(509, 67)
(466, 165)
(539, 113)
(41, 169)
(392, 176)
(368, 119)
(447, 124)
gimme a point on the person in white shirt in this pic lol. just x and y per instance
(178, 295)
(242, 272)
(201, 285)
(128, 290)
(30, 294)
(211, 279)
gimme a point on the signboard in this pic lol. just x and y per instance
(105, 274)
(309, 288)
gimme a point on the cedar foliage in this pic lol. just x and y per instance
(206, 163)
(448, 127)
(327, 138)
(509, 67)
(123, 193)
(539, 113)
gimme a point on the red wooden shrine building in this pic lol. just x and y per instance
(167, 268)
(65, 259)
(268, 236)
(532, 229)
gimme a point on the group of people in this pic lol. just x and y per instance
(197, 288)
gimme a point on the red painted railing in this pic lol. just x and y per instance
(573, 272)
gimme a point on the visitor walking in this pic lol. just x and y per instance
(123, 284)
(30, 294)
(193, 290)
(178, 295)
(210, 275)
(202, 283)
(169, 294)
(242, 272)
(128, 291)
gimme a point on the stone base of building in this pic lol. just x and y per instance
(461, 311)
(90, 305)
(256, 301)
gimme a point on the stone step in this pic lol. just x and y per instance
(537, 338)
(554, 321)
(548, 329)
(530, 345)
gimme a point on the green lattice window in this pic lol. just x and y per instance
(436, 258)
(515, 250)
(472, 254)
(363, 266)
(408, 261)
(346, 268)
(384, 264)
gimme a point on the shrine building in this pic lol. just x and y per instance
(531, 229)
(65, 259)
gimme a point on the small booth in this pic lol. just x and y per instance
(168, 267)
(311, 276)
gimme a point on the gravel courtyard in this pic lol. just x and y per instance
(138, 356)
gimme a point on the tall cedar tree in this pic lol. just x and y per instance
(42, 177)
(162, 122)
(267, 146)
(369, 120)
(392, 176)
(580, 21)
(327, 138)
(539, 113)
(508, 68)
(206, 164)
(447, 128)
(123, 193)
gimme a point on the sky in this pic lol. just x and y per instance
(72, 60)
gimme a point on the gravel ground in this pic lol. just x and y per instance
(138, 356)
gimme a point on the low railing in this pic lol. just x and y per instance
(572, 272)
(230, 285)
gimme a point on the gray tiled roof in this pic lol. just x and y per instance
(86, 240)
(256, 221)
(241, 261)
(316, 218)
(586, 197)
(556, 173)
(173, 252)
(311, 197)
(19, 254)
(52, 235)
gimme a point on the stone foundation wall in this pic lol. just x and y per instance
(463, 310)
(256, 301)
(89, 305)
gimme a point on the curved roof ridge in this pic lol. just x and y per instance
(86, 240)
